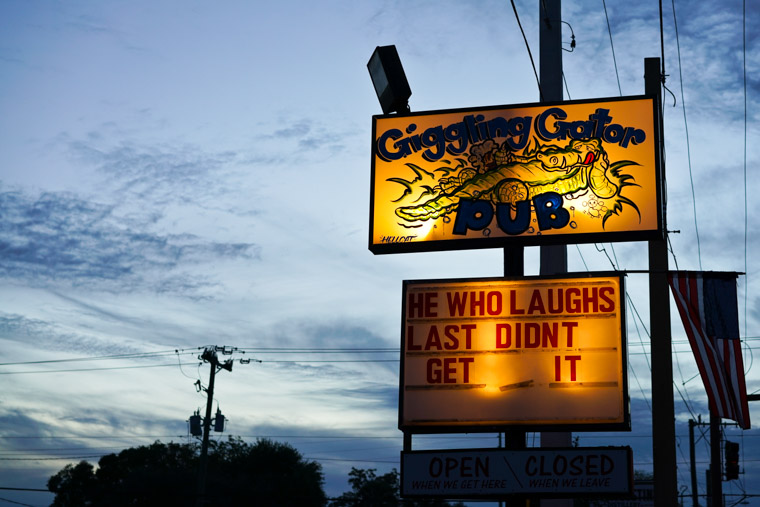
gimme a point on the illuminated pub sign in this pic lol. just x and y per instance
(581, 171)
(479, 355)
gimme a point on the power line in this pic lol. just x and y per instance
(278, 361)
(134, 355)
(746, 217)
(688, 145)
(15, 502)
(57, 458)
(533, 63)
(70, 370)
(256, 350)
(614, 60)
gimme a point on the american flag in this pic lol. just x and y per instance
(708, 306)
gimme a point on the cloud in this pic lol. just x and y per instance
(59, 237)
(51, 336)
(314, 140)
(298, 129)
(160, 174)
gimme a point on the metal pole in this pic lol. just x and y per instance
(663, 411)
(693, 462)
(717, 478)
(514, 265)
(203, 465)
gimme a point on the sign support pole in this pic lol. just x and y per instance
(663, 411)
(514, 265)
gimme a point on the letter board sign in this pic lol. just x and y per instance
(480, 355)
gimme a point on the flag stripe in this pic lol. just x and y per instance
(737, 380)
(710, 353)
(718, 358)
(686, 292)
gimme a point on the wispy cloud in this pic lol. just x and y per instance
(50, 336)
(60, 237)
(159, 173)
(306, 139)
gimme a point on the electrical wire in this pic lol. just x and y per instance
(614, 60)
(332, 351)
(614, 254)
(672, 252)
(18, 503)
(532, 62)
(259, 350)
(688, 145)
(630, 365)
(746, 215)
(641, 341)
(179, 363)
(133, 355)
(581, 254)
(172, 365)
(602, 249)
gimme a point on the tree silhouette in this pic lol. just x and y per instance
(265, 474)
(370, 490)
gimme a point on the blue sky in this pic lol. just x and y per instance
(182, 174)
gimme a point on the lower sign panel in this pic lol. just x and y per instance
(493, 473)
(478, 355)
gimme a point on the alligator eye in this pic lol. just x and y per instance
(554, 160)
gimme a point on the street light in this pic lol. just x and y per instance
(389, 80)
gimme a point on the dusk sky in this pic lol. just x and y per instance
(175, 175)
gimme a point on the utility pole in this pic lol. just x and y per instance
(714, 473)
(209, 355)
(693, 463)
(553, 257)
(716, 477)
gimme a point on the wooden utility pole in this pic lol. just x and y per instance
(553, 257)
(209, 355)
(663, 411)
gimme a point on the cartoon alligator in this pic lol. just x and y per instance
(569, 170)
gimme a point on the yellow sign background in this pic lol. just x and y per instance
(416, 186)
(485, 353)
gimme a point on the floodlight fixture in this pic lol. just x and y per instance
(389, 80)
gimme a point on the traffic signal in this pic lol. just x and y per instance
(732, 460)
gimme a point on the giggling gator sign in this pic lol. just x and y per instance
(570, 172)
